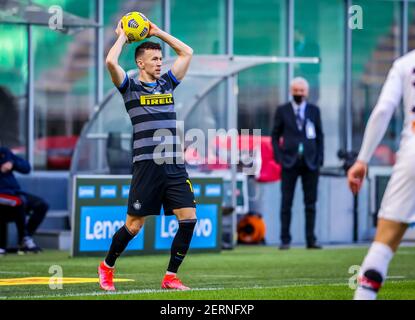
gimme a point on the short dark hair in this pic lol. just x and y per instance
(148, 45)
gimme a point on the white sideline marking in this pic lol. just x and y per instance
(103, 293)
(146, 291)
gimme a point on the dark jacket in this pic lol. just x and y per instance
(8, 183)
(285, 126)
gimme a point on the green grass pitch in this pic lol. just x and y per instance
(247, 272)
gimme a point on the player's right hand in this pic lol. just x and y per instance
(356, 176)
(120, 32)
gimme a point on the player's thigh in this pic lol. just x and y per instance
(390, 232)
(179, 199)
(397, 210)
(146, 190)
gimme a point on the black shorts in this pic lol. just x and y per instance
(154, 185)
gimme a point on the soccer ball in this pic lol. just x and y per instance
(135, 25)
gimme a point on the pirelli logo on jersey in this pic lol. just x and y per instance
(157, 99)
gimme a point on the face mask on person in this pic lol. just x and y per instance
(298, 99)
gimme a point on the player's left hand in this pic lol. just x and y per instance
(7, 167)
(154, 30)
(356, 176)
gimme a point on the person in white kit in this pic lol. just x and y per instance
(397, 210)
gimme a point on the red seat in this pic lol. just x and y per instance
(9, 200)
(270, 170)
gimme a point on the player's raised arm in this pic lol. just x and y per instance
(117, 73)
(184, 52)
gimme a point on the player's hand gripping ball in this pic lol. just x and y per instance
(135, 25)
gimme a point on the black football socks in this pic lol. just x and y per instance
(181, 243)
(120, 241)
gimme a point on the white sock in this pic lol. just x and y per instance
(170, 273)
(378, 259)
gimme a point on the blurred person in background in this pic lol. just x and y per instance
(32, 206)
(297, 139)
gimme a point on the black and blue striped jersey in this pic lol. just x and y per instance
(153, 116)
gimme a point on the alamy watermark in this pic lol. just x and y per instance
(219, 148)
(355, 20)
(56, 18)
(354, 279)
(56, 280)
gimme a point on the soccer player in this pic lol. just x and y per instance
(159, 176)
(398, 205)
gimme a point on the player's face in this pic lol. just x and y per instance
(299, 89)
(150, 62)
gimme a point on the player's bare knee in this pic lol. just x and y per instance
(134, 227)
(185, 213)
(134, 224)
(192, 214)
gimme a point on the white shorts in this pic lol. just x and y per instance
(398, 203)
